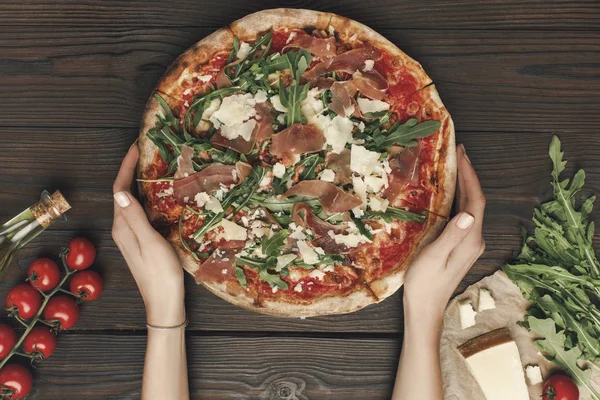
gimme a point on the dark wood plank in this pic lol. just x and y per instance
(101, 77)
(437, 14)
(224, 368)
(121, 307)
(514, 169)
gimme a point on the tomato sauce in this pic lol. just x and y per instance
(280, 37)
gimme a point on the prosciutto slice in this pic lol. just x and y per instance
(242, 170)
(304, 216)
(221, 260)
(405, 171)
(349, 62)
(340, 165)
(297, 139)
(264, 126)
(342, 98)
(317, 46)
(238, 144)
(370, 84)
(207, 180)
(332, 198)
(185, 166)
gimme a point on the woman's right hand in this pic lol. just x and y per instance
(151, 259)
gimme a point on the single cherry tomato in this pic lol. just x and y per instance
(40, 340)
(44, 273)
(86, 284)
(81, 254)
(560, 387)
(62, 309)
(17, 378)
(8, 339)
(27, 300)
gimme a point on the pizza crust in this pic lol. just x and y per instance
(253, 25)
(346, 28)
(147, 148)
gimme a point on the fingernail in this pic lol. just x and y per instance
(462, 146)
(134, 143)
(465, 221)
(122, 199)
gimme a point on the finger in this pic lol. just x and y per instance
(454, 233)
(472, 199)
(123, 236)
(127, 170)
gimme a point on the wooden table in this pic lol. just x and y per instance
(74, 77)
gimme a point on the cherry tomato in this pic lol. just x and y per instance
(8, 339)
(16, 377)
(560, 387)
(87, 284)
(81, 254)
(44, 273)
(40, 340)
(27, 300)
(62, 309)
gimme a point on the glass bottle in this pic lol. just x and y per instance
(32, 221)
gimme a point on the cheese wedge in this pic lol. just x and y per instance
(494, 361)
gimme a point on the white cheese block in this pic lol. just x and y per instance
(231, 231)
(486, 301)
(309, 255)
(372, 106)
(243, 50)
(534, 374)
(466, 313)
(495, 363)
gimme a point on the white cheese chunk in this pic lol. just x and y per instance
(371, 106)
(358, 212)
(534, 375)
(213, 205)
(466, 314)
(284, 260)
(360, 189)
(279, 170)
(374, 184)
(298, 288)
(369, 64)
(276, 101)
(231, 231)
(317, 274)
(243, 50)
(205, 78)
(243, 130)
(234, 116)
(260, 96)
(363, 161)
(349, 240)
(201, 199)
(312, 105)
(327, 175)
(337, 131)
(376, 204)
(309, 255)
(499, 372)
(290, 38)
(486, 301)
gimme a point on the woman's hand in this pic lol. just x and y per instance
(436, 272)
(151, 260)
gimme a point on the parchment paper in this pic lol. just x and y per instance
(459, 384)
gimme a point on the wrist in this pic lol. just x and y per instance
(424, 316)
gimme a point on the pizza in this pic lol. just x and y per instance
(297, 161)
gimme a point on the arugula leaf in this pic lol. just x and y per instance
(392, 213)
(310, 163)
(404, 134)
(291, 98)
(272, 246)
(553, 347)
(241, 277)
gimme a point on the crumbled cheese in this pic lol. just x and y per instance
(260, 96)
(349, 240)
(309, 255)
(320, 251)
(274, 289)
(374, 184)
(279, 170)
(224, 271)
(205, 78)
(360, 189)
(219, 193)
(361, 126)
(466, 314)
(298, 288)
(231, 231)
(234, 116)
(331, 30)
(358, 212)
(243, 50)
(290, 38)
(284, 260)
(165, 193)
(388, 227)
(317, 274)
(328, 268)
(265, 183)
(276, 101)
(363, 161)
(244, 220)
(376, 204)
(368, 65)
(337, 131)
(534, 374)
(298, 234)
(201, 199)
(281, 119)
(312, 105)
(486, 301)
(328, 175)
(371, 106)
(186, 199)
(261, 231)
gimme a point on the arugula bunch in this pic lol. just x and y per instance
(558, 272)
(379, 137)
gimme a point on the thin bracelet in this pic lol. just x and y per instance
(167, 328)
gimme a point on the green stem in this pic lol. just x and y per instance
(36, 318)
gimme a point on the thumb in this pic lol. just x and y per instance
(454, 232)
(134, 214)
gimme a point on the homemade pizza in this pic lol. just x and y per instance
(297, 161)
